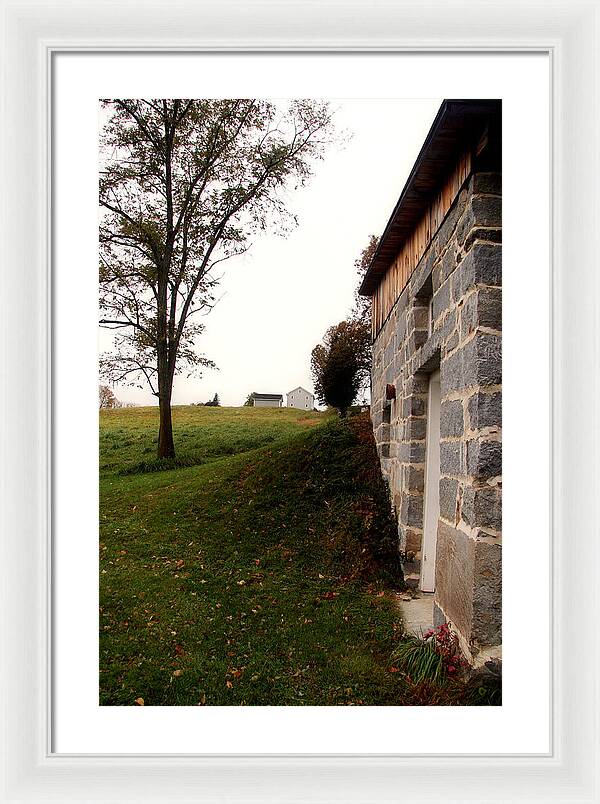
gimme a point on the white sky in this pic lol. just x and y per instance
(280, 297)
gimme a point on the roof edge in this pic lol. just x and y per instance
(463, 113)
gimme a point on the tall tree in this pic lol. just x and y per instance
(362, 304)
(341, 363)
(184, 185)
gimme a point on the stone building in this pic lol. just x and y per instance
(435, 284)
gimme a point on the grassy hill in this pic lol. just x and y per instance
(258, 570)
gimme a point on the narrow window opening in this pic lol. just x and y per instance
(387, 413)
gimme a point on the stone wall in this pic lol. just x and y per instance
(450, 317)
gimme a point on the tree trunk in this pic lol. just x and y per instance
(166, 447)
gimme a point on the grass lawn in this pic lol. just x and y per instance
(247, 575)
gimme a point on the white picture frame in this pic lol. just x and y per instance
(568, 31)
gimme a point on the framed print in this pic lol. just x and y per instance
(298, 604)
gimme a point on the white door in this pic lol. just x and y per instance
(431, 508)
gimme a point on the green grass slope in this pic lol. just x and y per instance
(259, 575)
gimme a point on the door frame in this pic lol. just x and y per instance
(431, 500)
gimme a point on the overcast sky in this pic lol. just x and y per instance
(279, 298)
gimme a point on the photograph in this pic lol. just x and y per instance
(300, 402)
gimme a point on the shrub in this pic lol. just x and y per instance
(433, 658)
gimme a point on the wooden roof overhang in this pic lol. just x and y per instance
(457, 125)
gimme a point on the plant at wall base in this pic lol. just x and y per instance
(434, 658)
(420, 661)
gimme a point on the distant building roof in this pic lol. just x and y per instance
(267, 396)
(300, 388)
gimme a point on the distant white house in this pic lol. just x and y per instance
(267, 400)
(300, 398)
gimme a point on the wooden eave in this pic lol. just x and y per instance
(458, 124)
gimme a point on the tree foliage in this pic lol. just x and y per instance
(340, 365)
(362, 304)
(108, 398)
(249, 403)
(185, 185)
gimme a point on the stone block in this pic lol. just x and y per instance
(484, 458)
(417, 384)
(401, 327)
(482, 308)
(481, 266)
(481, 361)
(482, 233)
(412, 541)
(389, 352)
(383, 433)
(376, 416)
(454, 576)
(450, 344)
(413, 405)
(448, 262)
(487, 210)
(441, 300)
(427, 359)
(451, 419)
(489, 308)
(464, 225)
(411, 510)
(415, 340)
(412, 452)
(448, 496)
(446, 326)
(487, 183)
(415, 429)
(485, 410)
(486, 628)
(413, 478)
(418, 318)
(451, 373)
(451, 461)
(482, 507)
(438, 616)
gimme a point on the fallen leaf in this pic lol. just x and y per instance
(139, 701)
(177, 673)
